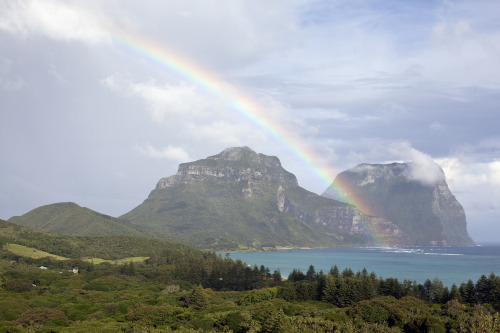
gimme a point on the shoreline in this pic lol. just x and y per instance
(285, 248)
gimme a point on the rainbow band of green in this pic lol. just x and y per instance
(238, 101)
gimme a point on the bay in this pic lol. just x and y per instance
(448, 264)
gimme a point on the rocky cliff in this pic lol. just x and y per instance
(233, 165)
(417, 200)
(241, 199)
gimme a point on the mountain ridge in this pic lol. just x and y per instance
(242, 200)
(68, 218)
(248, 200)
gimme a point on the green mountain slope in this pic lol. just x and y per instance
(105, 247)
(68, 218)
(425, 209)
(241, 199)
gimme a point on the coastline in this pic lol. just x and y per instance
(449, 264)
(283, 248)
(272, 249)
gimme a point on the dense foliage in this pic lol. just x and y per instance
(189, 290)
(347, 288)
(153, 296)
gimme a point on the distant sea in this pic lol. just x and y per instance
(448, 264)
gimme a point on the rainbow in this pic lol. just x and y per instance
(240, 102)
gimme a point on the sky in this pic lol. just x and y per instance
(101, 99)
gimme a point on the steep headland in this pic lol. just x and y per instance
(242, 199)
(417, 200)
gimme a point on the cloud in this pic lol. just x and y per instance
(53, 19)
(121, 174)
(221, 132)
(58, 76)
(341, 119)
(376, 59)
(7, 81)
(423, 167)
(464, 172)
(349, 82)
(436, 126)
(446, 32)
(113, 83)
(225, 35)
(495, 172)
(168, 102)
(191, 114)
(464, 45)
(173, 153)
(476, 183)
(464, 175)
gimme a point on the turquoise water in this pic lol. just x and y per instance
(449, 264)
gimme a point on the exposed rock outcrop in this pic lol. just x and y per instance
(242, 198)
(417, 200)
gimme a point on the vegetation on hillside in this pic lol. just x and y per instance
(67, 218)
(187, 290)
(239, 199)
(213, 214)
(104, 247)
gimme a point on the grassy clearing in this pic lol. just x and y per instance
(97, 261)
(30, 252)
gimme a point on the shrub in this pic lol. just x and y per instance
(106, 283)
(37, 317)
(196, 298)
(19, 285)
(233, 320)
(158, 315)
(257, 296)
(11, 308)
(111, 308)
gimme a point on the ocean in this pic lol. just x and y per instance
(448, 264)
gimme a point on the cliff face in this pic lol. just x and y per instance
(239, 198)
(419, 203)
(452, 216)
(233, 165)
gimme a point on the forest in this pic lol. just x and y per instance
(221, 295)
(179, 288)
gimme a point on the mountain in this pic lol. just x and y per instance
(414, 198)
(241, 199)
(68, 218)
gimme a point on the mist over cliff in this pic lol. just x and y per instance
(413, 196)
(242, 199)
